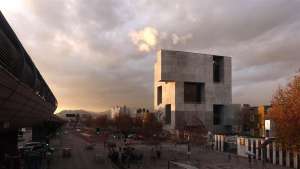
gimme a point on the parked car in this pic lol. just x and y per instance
(27, 147)
(90, 146)
(30, 145)
(35, 146)
(132, 136)
(66, 152)
(130, 142)
(140, 137)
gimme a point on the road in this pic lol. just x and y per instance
(81, 158)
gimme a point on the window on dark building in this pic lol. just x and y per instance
(159, 95)
(218, 68)
(194, 92)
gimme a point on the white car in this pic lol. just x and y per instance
(31, 144)
(29, 147)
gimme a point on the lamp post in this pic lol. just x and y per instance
(189, 147)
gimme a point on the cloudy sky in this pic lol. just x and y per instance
(95, 54)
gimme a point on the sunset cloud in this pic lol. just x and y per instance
(100, 53)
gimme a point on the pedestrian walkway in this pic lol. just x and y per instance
(97, 158)
(201, 159)
(220, 160)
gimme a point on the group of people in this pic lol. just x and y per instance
(156, 152)
(123, 156)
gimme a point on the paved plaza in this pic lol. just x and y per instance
(82, 158)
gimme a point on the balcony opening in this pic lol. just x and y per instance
(218, 114)
(168, 114)
(194, 92)
(159, 95)
(218, 69)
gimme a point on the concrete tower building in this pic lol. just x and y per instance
(191, 88)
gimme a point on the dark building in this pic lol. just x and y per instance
(25, 98)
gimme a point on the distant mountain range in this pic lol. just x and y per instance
(63, 113)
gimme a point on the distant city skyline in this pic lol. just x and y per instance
(100, 54)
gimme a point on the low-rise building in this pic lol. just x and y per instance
(266, 124)
(248, 121)
(117, 110)
(255, 121)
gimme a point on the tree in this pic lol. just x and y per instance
(151, 126)
(123, 122)
(285, 112)
(195, 132)
(101, 121)
(89, 121)
(138, 122)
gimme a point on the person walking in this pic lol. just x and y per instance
(152, 154)
(229, 157)
(189, 150)
(250, 160)
(158, 153)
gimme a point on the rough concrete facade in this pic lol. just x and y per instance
(173, 71)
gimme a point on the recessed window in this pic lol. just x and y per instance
(168, 114)
(218, 112)
(159, 95)
(193, 92)
(252, 117)
(218, 68)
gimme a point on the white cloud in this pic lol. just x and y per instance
(176, 39)
(145, 39)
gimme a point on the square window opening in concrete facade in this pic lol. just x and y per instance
(159, 95)
(218, 69)
(194, 92)
(168, 114)
(218, 113)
